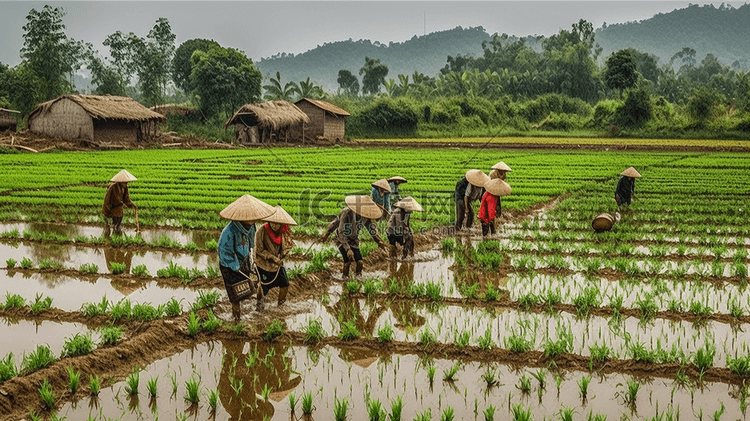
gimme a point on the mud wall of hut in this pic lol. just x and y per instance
(115, 131)
(321, 123)
(7, 121)
(64, 119)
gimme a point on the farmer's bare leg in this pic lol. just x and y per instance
(345, 270)
(236, 313)
(117, 223)
(282, 295)
(259, 299)
(358, 270)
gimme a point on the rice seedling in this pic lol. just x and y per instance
(120, 310)
(110, 334)
(385, 333)
(212, 245)
(485, 341)
(211, 323)
(238, 329)
(349, 331)
(562, 345)
(49, 264)
(40, 358)
(586, 301)
(375, 411)
(528, 300)
(489, 413)
(90, 268)
(47, 394)
(213, 400)
(704, 357)
(192, 387)
(431, 374)
(193, 325)
(583, 386)
(145, 312)
(95, 309)
(8, 368)
(79, 344)
(517, 343)
(40, 304)
(151, 386)
(433, 291)
(541, 377)
(307, 403)
(26, 263)
(11, 234)
(701, 310)
(462, 339)
(10, 263)
(95, 385)
(292, 402)
(131, 382)
(599, 353)
(520, 414)
(205, 299)
(447, 415)
(265, 392)
(450, 374)
(448, 245)
(491, 294)
(427, 337)
(339, 409)
(13, 301)
(370, 287)
(632, 393)
(489, 378)
(739, 365)
(74, 380)
(213, 271)
(648, 307)
(397, 406)
(173, 308)
(524, 384)
(140, 271)
(566, 414)
(237, 385)
(117, 268)
(470, 292)
(424, 416)
(600, 417)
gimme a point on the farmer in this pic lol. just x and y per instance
(398, 229)
(491, 206)
(469, 189)
(272, 244)
(381, 195)
(360, 211)
(116, 198)
(499, 170)
(625, 190)
(235, 242)
(393, 183)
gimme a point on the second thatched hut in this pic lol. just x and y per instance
(270, 121)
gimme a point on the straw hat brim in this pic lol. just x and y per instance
(123, 177)
(280, 216)
(631, 172)
(502, 166)
(383, 184)
(247, 208)
(397, 179)
(603, 222)
(477, 177)
(497, 187)
(408, 203)
(363, 206)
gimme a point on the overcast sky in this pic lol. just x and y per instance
(264, 28)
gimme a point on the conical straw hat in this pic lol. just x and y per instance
(497, 187)
(603, 222)
(631, 172)
(502, 166)
(408, 203)
(123, 177)
(397, 179)
(477, 177)
(383, 184)
(280, 216)
(247, 208)
(364, 206)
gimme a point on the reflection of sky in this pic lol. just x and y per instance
(24, 336)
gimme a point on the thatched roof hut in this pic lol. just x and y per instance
(326, 119)
(165, 109)
(260, 121)
(8, 119)
(106, 119)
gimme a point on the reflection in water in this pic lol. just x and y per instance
(405, 312)
(352, 310)
(245, 376)
(118, 255)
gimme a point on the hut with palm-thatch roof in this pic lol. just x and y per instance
(326, 119)
(102, 118)
(8, 119)
(268, 121)
(179, 109)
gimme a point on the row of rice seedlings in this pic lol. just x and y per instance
(145, 312)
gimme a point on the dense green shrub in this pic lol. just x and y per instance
(637, 109)
(557, 122)
(539, 108)
(605, 113)
(701, 105)
(388, 117)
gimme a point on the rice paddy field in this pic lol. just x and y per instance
(544, 320)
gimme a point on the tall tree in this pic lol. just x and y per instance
(620, 71)
(348, 83)
(374, 75)
(274, 89)
(310, 89)
(50, 54)
(181, 65)
(224, 79)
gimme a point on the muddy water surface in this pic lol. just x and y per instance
(22, 337)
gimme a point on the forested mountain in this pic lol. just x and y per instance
(425, 54)
(723, 32)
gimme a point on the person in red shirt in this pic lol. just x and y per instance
(491, 206)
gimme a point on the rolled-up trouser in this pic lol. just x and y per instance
(117, 224)
(461, 212)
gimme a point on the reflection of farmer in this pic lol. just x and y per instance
(360, 211)
(244, 400)
(469, 189)
(272, 243)
(235, 242)
(381, 195)
(350, 310)
(117, 255)
(625, 190)
(399, 229)
(116, 198)
(393, 183)
(491, 206)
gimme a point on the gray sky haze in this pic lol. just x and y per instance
(264, 28)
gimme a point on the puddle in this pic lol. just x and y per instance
(23, 336)
(70, 294)
(332, 373)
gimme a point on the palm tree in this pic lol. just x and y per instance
(274, 90)
(308, 89)
(390, 86)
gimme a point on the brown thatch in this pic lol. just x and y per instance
(8, 119)
(105, 107)
(326, 106)
(270, 115)
(165, 109)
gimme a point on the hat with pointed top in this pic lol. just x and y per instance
(631, 172)
(363, 206)
(497, 187)
(280, 216)
(123, 177)
(247, 208)
(477, 177)
(502, 166)
(383, 184)
(409, 204)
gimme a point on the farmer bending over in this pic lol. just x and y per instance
(625, 190)
(360, 211)
(272, 244)
(116, 198)
(399, 229)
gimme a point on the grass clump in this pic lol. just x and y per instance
(40, 358)
(274, 330)
(173, 308)
(47, 394)
(349, 331)
(13, 301)
(110, 334)
(117, 268)
(385, 333)
(314, 331)
(8, 368)
(79, 344)
(90, 268)
(140, 271)
(40, 304)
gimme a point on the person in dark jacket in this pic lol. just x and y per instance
(360, 212)
(399, 229)
(116, 199)
(468, 190)
(625, 191)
